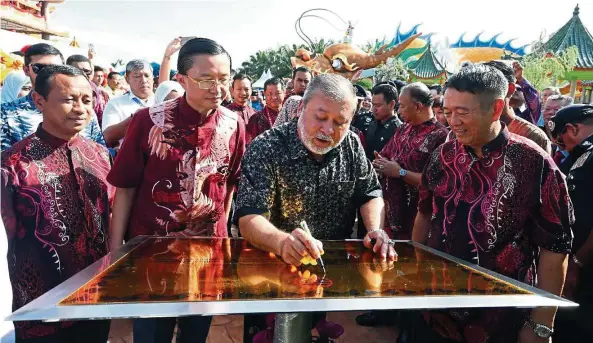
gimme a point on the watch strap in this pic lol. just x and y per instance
(535, 327)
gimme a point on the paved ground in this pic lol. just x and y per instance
(229, 329)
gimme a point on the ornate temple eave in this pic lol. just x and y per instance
(574, 33)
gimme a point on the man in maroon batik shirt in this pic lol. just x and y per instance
(301, 77)
(55, 203)
(400, 166)
(498, 200)
(265, 119)
(177, 168)
(241, 91)
(403, 158)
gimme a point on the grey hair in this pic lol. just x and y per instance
(333, 87)
(136, 65)
(566, 100)
(555, 90)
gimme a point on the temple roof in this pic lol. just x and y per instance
(573, 33)
(427, 66)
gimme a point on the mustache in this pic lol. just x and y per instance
(323, 137)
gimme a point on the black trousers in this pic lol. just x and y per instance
(192, 329)
(85, 331)
(414, 329)
(575, 325)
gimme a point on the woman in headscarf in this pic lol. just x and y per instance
(168, 90)
(16, 85)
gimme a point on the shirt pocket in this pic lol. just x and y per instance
(416, 160)
(340, 189)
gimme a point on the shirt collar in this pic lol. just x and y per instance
(271, 111)
(190, 116)
(586, 145)
(53, 140)
(238, 107)
(139, 101)
(391, 120)
(429, 122)
(496, 144)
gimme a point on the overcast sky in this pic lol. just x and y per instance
(142, 29)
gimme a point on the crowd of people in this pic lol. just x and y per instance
(484, 168)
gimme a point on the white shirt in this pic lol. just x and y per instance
(122, 107)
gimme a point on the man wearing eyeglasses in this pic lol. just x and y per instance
(100, 97)
(119, 110)
(20, 118)
(177, 168)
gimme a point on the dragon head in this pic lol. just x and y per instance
(346, 59)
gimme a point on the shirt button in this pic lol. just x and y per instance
(571, 187)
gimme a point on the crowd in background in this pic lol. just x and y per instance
(92, 158)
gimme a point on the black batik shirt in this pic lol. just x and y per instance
(283, 182)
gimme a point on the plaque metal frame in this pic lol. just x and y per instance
(46, 307)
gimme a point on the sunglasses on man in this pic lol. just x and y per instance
(36, 67)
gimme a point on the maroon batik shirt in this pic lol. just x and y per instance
(181, 168)
(245, 112)
(55, 208)
(260, 122)
(495, 211)
(411, 147)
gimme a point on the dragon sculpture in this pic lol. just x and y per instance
(346, 59)
(343, 58)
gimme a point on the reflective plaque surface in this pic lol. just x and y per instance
(190, 270)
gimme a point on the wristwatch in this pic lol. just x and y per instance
(540, 330)
(402, 172)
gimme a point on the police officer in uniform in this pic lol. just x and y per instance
(363, 118)
(386, 121)
(572, 129)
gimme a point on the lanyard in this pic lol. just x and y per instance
(138, 101)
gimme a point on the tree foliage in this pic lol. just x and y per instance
(542, 68)
(369, 47)
(394, 69)
(278, 60)
(366, 84)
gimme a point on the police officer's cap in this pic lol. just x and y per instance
(569, 115)
(360, 92)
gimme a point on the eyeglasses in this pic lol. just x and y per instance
(209, 84)
(38, 66)
(87, 72)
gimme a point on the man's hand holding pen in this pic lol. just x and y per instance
(300, 244)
